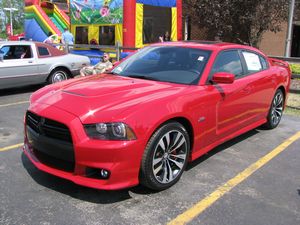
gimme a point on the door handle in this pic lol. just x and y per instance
(30, 61)
(247, 90)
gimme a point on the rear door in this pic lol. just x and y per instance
(18, 66)
(261, 81)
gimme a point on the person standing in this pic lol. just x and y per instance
(167, 36)
(67, 37)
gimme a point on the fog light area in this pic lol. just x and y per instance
(97, 173)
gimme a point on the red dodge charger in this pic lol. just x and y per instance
(160, 108)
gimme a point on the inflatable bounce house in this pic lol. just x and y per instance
(43, 17)
(132, 23)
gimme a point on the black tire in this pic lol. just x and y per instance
(275, 111)
(165, 157)
(58, 75)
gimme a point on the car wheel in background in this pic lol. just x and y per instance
(276, 110)
(58, 75)
(165, 157)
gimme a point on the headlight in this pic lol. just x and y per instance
(109, 131)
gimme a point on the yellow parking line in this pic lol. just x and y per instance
(11, 147)
(16, 103)
(199, 207)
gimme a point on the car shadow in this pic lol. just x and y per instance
(20, 90)
(71, 189)
(106, 197)
(222, 147)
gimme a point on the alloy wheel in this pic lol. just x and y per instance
(169, 156)
(277, 108)
(59, 76)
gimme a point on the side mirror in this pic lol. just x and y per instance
(223, 78)
(116, 63)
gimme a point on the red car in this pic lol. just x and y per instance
(162, 107)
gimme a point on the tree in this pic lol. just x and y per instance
(18, 16)
(239, 21)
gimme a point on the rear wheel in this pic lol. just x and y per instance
(276, 110)
(58, 75)
(165, 157)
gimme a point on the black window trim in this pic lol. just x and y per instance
(208, 81)
(243, 62)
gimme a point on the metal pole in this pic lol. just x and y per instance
(11, 23)
(118, 53)
(290, 27)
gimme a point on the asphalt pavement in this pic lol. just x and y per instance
(270, 195)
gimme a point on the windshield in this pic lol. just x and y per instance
(165, 63)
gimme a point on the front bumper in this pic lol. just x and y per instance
(121, 158)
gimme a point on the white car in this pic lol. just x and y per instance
(25, 62)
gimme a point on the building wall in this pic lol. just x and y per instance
(274, 43)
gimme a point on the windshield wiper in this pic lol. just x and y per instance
(143, 77)
(111, 72)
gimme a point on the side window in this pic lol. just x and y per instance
(43, 51)
(22, 52)
(253, 62)
(7, 52)
(264, 63)
(16, 52)
(228, 61)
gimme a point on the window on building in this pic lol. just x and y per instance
(107, 35)
(81, 35)
(157, 21)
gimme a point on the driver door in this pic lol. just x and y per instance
(18, 66)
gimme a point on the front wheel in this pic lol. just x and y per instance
(165, 157)
(276, 110)
(58, 75)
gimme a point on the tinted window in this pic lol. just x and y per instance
(16, 52)
(230, 62)
(253, 62)
(43, 51)
(170, 64)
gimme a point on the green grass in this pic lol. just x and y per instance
(291, 111)
(295, 68)
(293, 105)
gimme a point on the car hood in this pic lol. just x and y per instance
(103, 96)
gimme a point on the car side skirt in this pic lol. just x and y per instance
(197, 154)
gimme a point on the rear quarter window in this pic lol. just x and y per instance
(43, 51)
(254, 62)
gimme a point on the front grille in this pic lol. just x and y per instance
(51, 142)
(54, 162)
(47, 127)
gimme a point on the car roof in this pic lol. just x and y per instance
(208, 45)
(16, 42)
